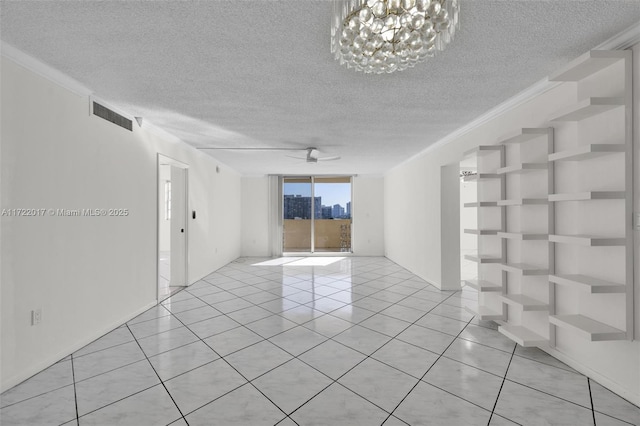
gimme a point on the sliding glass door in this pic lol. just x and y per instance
(316, 214)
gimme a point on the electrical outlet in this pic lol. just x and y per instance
(636, 221)
(36, 316)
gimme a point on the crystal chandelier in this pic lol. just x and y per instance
(383, 36)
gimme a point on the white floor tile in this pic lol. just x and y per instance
(526, 406)
(244, 406)
(198, 387)
(357, 342)
(177, 361)
(606, 402)
(339, 406)
(106, 360)
(150, 407)
(298, 340)
(292, 384)
(257, 359)
(57, 376)
(332, 358)
(110, 387)
(406, 357)
(362, 339)
(54, 407)
(485, 358)
(378, 383)
(557, 382)
(428, 405)
(471, 384)
(232, 340)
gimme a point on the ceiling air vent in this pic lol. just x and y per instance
(112, 116)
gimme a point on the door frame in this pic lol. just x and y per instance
(162, 159)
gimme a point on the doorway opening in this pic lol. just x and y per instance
(316, 213)
(172, 226)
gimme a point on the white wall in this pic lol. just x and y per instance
(368, 212)
(255, 216)
(89, 274)
(413, 227)
(368, 215)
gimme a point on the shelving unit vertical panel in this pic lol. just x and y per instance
(551, 229)
(491, 189)
(628, 99)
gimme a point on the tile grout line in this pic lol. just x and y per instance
(425, 373)
(495, 404)
(159, 378)
(75, 392)
(593, 411)
(296, 357)
(230, 365)
(367, 356)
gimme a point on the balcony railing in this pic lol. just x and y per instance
(331, 235)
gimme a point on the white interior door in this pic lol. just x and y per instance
(178, 226)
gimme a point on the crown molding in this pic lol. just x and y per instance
(43, 70)
(621, 41)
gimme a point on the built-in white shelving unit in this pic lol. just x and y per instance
(490, 221)
(594, 254)
(563, 201)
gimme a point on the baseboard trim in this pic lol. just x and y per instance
(614, 387)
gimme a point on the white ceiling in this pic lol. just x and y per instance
(260, 73)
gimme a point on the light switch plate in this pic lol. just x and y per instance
(636, 221)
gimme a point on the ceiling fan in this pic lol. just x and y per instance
(313, 154)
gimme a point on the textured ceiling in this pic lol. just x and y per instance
(260, 73)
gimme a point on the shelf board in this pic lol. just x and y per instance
(522, 335)
(588, 241)
(524, 135)
(587, 108)
(586, 196)
(484, 313)
(525, 303)
(594, 331)
(589, 284)
(522, 202)
(482, 204)
(483, 286)
(481, 231)
(482, 150)
(588, 64)
(523, 168)
(586, 152)
(521, 236)
(523, 269)
(483, 258)
(481, 176)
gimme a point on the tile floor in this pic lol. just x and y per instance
(313, 341)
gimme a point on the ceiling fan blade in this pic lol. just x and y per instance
(252, 149)
(328, 158)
